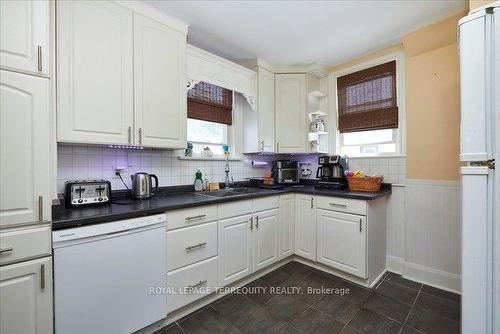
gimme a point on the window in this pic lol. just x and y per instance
(368, 110)
(203, 133)
(209, 116)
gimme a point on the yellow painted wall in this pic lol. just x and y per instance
(473, 4)
(432, 99)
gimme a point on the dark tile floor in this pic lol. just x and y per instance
(396, 305)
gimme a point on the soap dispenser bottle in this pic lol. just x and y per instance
(198, 181)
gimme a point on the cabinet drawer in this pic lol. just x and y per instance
(191, 216)
(24, 243)
(266, 203)
(202, 276)
(233, 209)
(192, 244)
(342, 204)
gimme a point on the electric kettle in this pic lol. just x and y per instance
(142, 186)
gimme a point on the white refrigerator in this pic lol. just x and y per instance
(479, 50)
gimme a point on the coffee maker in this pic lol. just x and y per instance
(330, 172)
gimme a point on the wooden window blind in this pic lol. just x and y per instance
(208, 102)
(367, 99)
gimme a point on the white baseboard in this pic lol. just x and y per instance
(415, 272)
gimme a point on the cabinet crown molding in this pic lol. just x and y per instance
(154, 14)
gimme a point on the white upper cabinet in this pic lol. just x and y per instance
(94, 72)
(160, 84)
(265, 107)
(24, 36)
(121, 76)
(24, 143)
(290, 95)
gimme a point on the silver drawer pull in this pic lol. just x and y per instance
(42, 276)
(190, 248)
(191, 287)
(194, 217)
(338, 205)
(5, 250)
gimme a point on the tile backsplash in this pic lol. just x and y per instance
(77, 162)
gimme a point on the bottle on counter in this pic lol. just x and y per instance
(198, 181)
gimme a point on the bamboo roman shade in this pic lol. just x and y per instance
(367, 99)
(211, 103)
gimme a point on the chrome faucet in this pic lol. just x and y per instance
(226, 170)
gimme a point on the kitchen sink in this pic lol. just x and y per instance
(238, 191)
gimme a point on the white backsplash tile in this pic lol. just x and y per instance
(77, 162)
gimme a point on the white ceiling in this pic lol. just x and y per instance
(303, 32)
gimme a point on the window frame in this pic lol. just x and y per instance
(398, 56)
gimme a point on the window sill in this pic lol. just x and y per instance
(215, 158)
(376, 156)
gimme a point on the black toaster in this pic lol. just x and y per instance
(85, 193)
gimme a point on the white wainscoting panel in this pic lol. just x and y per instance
(396, 223)
(433, 232)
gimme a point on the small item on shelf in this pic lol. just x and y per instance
(225, 148)
(314, 126)
(321, 125)
(188, 152)
(198, 181)
(268, 178)
(206, 183)
(207, 152)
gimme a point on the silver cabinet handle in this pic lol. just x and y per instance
(40, 208)
(190, 248)
(312, 202)
(42, 276)
(257, 222)
(39, 54)
(338, 205)
(277, 147)
(262, 146)
(251, 223)
(191, 287)
(360, 225)
(6, 250)
(140, 136)
(130, 135)
(194, 217)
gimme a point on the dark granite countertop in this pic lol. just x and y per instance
(171, 198)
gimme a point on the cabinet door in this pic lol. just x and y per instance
(160, 84)
(94, 72)
(24, 36)
(291, 113)
(235, 247)
(287, 225)
(342, 241)
(265, 236)
(24, 143)
(266, 110)
(305, 226)
(26, 303)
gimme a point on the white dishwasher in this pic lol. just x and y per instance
(104, 273)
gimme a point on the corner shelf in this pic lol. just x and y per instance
(318, 94)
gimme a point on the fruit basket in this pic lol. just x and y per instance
(367, 183)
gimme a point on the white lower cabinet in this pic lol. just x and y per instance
(341, 241)
(265, 239)
(26, 297)
(286, 225)
(305, 226)
(248, 242)
(235, 248)
(191, 283)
